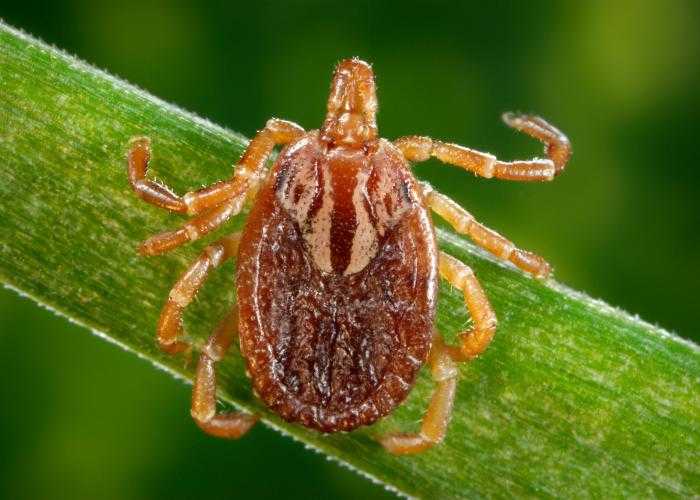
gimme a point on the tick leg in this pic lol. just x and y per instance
(442, 360)
(475, 340)
(437, 417)
(149, 191)
(253, 160)
(169, 331)
(225, 425)
(194, 229)
(464, 223)
(214, 204)
(557, 148)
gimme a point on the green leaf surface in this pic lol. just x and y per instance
(573, 398)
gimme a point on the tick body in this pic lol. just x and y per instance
(337, 277)
(338, 267)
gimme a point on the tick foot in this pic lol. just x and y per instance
(405, 444)
(177, 347)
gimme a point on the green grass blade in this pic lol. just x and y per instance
(573, 398)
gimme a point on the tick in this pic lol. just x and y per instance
(338, 266)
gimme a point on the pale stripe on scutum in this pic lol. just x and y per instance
(319, 236)
(306, 179)
(364, 241)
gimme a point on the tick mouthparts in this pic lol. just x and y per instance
(353, 89)
(352, 104)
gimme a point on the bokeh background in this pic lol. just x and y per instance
(79, 418)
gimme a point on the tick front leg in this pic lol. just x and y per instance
(191, 203)
(437, 417)
(152, 192)
(225, 425)
(464, 223)
(557, 148)
(475, 340)
(214, 204)
(169, 331)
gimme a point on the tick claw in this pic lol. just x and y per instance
(187, 356)
(176, 348)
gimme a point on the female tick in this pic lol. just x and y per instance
(337, 266)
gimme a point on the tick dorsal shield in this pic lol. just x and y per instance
(344, 201)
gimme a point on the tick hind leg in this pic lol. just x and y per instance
(169, 331)
(225, 425)
(475, 340)
(437, 417)
(464, 223)
(442, 360)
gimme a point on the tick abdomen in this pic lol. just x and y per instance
(335, 341)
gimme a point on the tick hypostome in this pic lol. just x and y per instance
(337, 267)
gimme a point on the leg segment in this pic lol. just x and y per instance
(557, 148)
(437, 417)
(226, 425)
(556, 145)
(214, 204)
(194, 228)
(149, 191)
(464, 223)
(169, 331)
(475, 340)
(442, 361)
(275, 132)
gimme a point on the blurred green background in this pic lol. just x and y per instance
(82, 419)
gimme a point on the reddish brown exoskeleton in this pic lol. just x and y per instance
(337, 267)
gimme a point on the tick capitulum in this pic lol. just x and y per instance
(337, 267)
